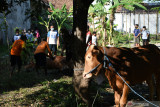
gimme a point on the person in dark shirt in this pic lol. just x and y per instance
(137, 34)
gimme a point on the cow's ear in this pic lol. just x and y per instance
(96, 48)
(95, 52)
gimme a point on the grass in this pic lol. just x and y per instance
(3, 50)
(29, 89)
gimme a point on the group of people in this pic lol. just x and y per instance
(144, 34)
(40, 54)
(32, 36)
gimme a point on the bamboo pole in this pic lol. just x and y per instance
(130, 25)
(156, 24)
(123, 23)
(139, 19)
(148, 19)
(126, 23)
(93, 24)
(143, 18)
(134, 18)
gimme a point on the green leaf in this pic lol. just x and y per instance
(51, 6)
(41, 23)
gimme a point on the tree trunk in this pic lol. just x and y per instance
(80, 13)
(104, 30)
(6, 30)
(112, 18)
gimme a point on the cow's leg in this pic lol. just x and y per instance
(117, 97)
(157, 77)
(150, 83)
(123, 100)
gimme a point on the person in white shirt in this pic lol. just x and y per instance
(17, 36)
(53, 39)
(145, 35)
(29, 35)
(94, 39)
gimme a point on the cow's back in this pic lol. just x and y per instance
(135, 64)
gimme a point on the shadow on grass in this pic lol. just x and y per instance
(25, 79)
(62, 94)
(59, 94)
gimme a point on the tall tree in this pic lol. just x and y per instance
(80, 14)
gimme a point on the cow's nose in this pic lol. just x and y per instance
(87, 75)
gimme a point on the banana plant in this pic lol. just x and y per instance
(92, 15)
(60, 15)
(99, 12)
(44, 22)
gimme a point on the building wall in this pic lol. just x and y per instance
(16, 18)
(141, 19)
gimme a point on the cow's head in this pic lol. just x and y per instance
(93, 57)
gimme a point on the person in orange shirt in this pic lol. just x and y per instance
(17, 48)
(40, 55)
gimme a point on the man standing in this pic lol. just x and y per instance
(145, 35)
(94, 39)
(88, 38)
(16, 50)
(17, 36)
(29, 35)
(53, 39)
(40, 55)
(137, 35)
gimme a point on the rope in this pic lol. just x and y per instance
(95, 98)
(93, 69)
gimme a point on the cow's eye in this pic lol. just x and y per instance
(89, 57)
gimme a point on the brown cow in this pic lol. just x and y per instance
(135, 65)
(59, 62)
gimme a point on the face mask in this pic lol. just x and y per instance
(52, 29)
(16, 34)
